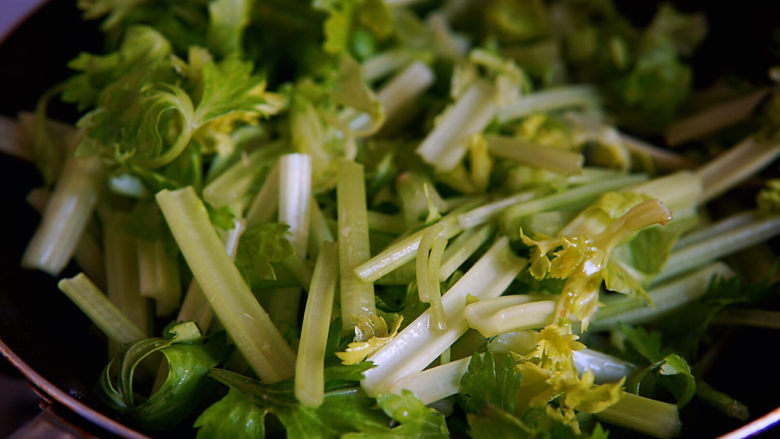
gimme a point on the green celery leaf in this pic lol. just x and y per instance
(491, 381)
(234, 416)
(414, 418)
(260, 246)
(676, 375)
(342, 411)
(185, 388)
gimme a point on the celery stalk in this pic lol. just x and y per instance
(235, 182)
(653, 418)
(264, 348)
(446, 144)
(417, 345)
(122, 280)
(266, 201)
(461, 248)
(357, 295)
(66, 215)
(735, 165)
(100, 310)
(553, 99)
(557, 160)
(195, 305)
(158, 273)
(309, 375)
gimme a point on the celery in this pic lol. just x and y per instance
(309, 379)
(419, 344)
(117, 326)
(553, 99)
(648, 416)
(66, 215)
(158, 272)
(557, 160)
(357, 295)
(735, 165)
(235, 182)
(266, 201)
(245, 320)
(461, 248)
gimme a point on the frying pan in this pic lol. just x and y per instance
(50, 341)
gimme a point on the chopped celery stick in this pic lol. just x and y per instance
(666, 297)
(195, 305)
(66, 215)
(433, 384)
(309, 374)
(295, 198)
(266, 201)
(417, 345)
(122, 280)
(401, 91)
(653, 418)
(714, 229)
(576, 197)
(320, 231)
(461, 248)
(100, 310)
(703, 252)
(446, 145)
(735, 165)
(233, 184)
(558, 160)
(264, 348)
(357, 295)
(487, 212)
(552, 99)
(158, 272)
(496, 316)
(382, 222)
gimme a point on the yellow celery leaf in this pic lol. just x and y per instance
(357, 351)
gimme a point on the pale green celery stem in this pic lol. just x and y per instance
(726, 243)
(551, 99)
(714, 118)
(399, 93)
(667, 297)
(295, 198)
(14, 141)
(357, 295)
(266, 201)
(175, 150)
(295, 176)
(487, 212)
(309, 365)
(128, 185)
(717, 228)
(446, 144)
(663, 158)
(758, 318)
(400, 252)
(417, 345)
(195, 305)
(246, 322)
(434, 264)
(736, 165)
(721, 401)
(319, 230)
(427, 280)
(574, 198)
(492, 317)
(435, 383)
(678, 191)
(88, 253)
(122, 280)
(382, 222)
(557, 160)
(415, 198)
(298, 268)
(158, 273)
(100, 310)
(648, 416)
(66, 215)
(231, 186)
(461, 248)
(385, 63)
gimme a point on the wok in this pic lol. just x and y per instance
(49, 340)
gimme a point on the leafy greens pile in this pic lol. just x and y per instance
(389, 218)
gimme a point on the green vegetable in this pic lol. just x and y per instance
(411, 219)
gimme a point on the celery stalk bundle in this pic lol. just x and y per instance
(358, 215)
